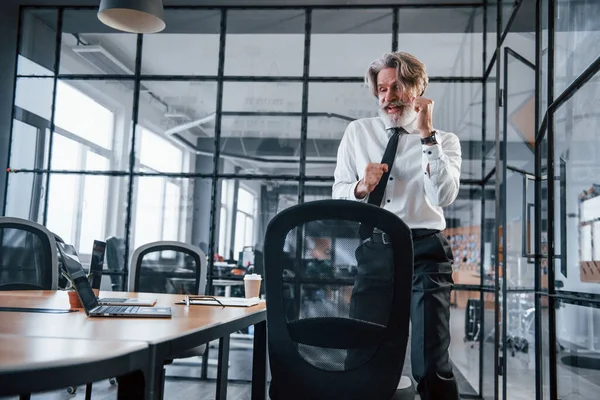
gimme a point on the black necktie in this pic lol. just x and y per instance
(376, 195)
(388, 158)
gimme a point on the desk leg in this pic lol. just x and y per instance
(259, 362)
(223, 368)
(131, 386)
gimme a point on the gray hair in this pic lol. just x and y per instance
(412, 73)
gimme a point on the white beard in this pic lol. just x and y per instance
(407, 116)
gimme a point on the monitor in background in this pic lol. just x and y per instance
(97, 263)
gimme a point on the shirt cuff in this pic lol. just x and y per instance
(353, 196)
(431, 156)
(432, 152)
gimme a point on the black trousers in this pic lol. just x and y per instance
(430, 318)
(430, 307)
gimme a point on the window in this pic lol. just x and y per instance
(82, 141)
(223, 249)
(159, 215)
(244, 224)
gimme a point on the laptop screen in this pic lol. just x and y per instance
(77, 274)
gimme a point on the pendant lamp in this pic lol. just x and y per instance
(136, 16)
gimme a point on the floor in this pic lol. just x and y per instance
(182, 384)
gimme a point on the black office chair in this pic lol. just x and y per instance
(28, 258)
(170, 267)
(337, 329)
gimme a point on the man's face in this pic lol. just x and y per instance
(395, 104)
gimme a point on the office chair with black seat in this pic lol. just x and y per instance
(337, 319)
(28, 259)
(170, 267)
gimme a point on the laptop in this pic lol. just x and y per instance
(96, 267)
(89, 300)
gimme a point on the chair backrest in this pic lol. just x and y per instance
(338, 308)
(115, 260)
(168, 267)
(28, 257)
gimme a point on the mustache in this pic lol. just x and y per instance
(397, 103)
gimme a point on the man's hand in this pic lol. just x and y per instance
(373, 174)
(424, 109)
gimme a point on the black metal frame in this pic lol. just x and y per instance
(220, 78)
(542, 125)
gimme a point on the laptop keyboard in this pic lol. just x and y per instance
(118, 309)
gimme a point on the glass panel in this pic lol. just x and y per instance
(182, 113)
(520, 214)
(520, 345)
(256, 39)
(91, 48)
(490, 127)
(331, 107)
(262, 97)
(463, 232)
(545, 332)
(508, 7)
(578, 368)
(261, 144)
(451, 48)
(577, 40)
(84, 208)
(79, 113)
(334, 105)
(158, 154)
(520, 113)
(94, 116)
(94, 206)
(491, 31)
(35, 96)
(189, 44)
(577, 166)
(25, 194)
(27, 148)
(37, 50)
(165, 208)
(544, 62)
(458, 110)
(270, 198)
(489, 318)
(337, 33)
(454, 109)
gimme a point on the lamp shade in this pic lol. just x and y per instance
(137, 16)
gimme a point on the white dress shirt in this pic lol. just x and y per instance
(411, 193)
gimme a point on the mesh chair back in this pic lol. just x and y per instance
(168, 267)
(337, 308)
(28, 257)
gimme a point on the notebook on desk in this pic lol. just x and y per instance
(88, 298)
(219, 301)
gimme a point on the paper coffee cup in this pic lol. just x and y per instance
(252, 285)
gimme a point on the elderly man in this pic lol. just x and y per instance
(401, 162)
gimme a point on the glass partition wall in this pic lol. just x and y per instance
(203, 132)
